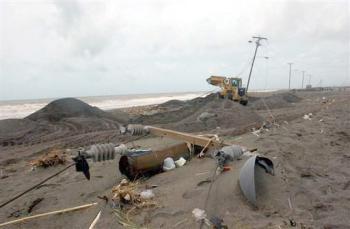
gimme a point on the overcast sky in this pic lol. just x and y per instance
(82, 48)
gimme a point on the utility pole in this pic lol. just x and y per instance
(257, 42)
(302, 82)
(290, 74)
(309, 78)
(266, 71)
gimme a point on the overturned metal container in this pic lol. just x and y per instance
(248, 172)
(138, 163)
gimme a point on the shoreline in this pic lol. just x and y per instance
(21, 108)
(17, 109)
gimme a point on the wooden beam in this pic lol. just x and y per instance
(191, 138)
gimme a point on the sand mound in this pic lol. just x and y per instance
(60, 119)
(279, 100)
(202, 114)
(67, 108)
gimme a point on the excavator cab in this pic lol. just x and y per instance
(231, 88)
(236, 82)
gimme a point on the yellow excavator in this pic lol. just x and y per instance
(231, 88)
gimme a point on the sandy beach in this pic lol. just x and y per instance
(310, 188)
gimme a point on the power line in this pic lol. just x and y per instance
(309, 78)
(266, 70)
(245, 67)
(302, 82)
(257, 42)
(290, 74)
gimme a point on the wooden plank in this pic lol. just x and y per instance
(191, 138)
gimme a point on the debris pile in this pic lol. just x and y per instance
(53, 158)
(128, 195)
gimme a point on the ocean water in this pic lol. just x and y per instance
(23, 108)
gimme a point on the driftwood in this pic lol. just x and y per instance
(95, 220)
(48, 213)
(201, 154)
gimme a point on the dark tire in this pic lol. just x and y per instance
(229, 96)
(243, 102)
(220, 96)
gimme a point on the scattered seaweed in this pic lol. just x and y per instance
(53, 158)
(127, 194)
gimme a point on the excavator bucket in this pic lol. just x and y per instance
(216, 80)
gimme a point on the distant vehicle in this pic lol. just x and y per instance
(231, 88)
(308, 86)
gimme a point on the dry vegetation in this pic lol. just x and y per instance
(52, 158)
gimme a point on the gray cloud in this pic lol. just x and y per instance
(62, 48)
(69, 13)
